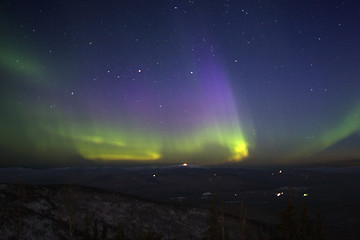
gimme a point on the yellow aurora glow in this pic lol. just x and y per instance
(114, 144)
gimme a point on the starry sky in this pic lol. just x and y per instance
(203, 82)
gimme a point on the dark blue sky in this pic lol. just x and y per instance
(172, 81)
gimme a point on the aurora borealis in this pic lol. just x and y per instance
(204, 82)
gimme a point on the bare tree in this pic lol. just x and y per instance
(70, 210)
(304, 225)
(95, 230)
(319, 229)
(86, 232)
(19, 213)
(288, 221)
(104, 232)
(243, 220)
(214, 228)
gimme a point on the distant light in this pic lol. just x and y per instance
(185, 164)
(206, 194)
(139, 70)
(214, 174)
(279, 194)
(280, 171)
(305, 194)
(154, 175)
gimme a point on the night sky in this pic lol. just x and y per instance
(203, 82)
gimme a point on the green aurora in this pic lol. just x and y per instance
(37, 130)
(198, 86)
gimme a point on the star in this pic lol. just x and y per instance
(228, 75)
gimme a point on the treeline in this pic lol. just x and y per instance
(69, 222)
(92, 231)
(90, 228)
(298, 225)
(295, 224)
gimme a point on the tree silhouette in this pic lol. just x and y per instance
(213, 225)
(86, 234)
(242, 221)
(104, 232)
(304, 224)
(288, 221)
(119, 234)
(319, 230)
(19, 214)
(95, 230)
(151, 235)
(70, 210)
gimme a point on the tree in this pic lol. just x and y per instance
(104, 232)
(119, 234)
(223, 230)
(19, 213)
(95, 230)
(242, 221)
(319, 230)
(151, 235)
(304, 224)
(86, 230)
(214, 228)
(70, 210)
(288, 221)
